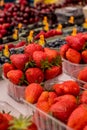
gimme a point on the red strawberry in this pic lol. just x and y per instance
(39, 57)
(32, 92)
(45, 100)
(3, 122)
(20, 44)
(64, 107)
(58, 88)
(34, 75)
(44, 106)
(31, 48)
(1, 47)
(85, 128)
(51, 54)
(67, 87)
(84, 36)
(82, 74)
(84, 56)
(47, 96)
(19, 60)
(76, 43)
(83, 97)
(71, 87)
(41, 33)
(10, 45)
(15, 76)
(73, 55)
(8, 116)
(79, 114)
(64, 97)
(53, 72)
(7, 67)
(63, 49)
(33, 126)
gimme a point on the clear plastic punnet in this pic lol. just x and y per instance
(43, 120)
(69, 67)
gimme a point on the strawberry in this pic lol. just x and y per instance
(3, 122)
(15, 76)
(6, 68)
(22, 123)
(73, 56)
(53, 72)
(32, 126)
(8, 116)
(34, 75)
(64, 107)
(82, 74)
(32, 92)
(10, 45)
(67, 87)
(47, 96)
(39, 57)
(51, 54)
(79, 114)
(58, 88)
(76, 43)
(19, 60)
(85, 128)
(1, 47)
(63, 49)
(44, 106)
(84, 56)
(84, 36)
(41, 33)
(20, 44)
(83, 97)
(45, 100)
(71, 87)
(31, 48)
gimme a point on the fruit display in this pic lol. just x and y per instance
(19, 13)
(35, 65)
(11, 48)
(74, 52)
(61, 103)
(43, 65)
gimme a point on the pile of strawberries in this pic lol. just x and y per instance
(75, 49)
(48, 34)
(35, 65)
(65, 102)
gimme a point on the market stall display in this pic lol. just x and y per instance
(41, 47)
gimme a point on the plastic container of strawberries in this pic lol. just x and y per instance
(14, 91)
(7, 108)
(69, 67)
(18, 92)
(74, 75)
(45, 121)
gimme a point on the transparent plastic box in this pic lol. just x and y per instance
(14, 91)
(43, 120)
(74, 75)
(69, 67)
(6, 107)
(18, 92)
